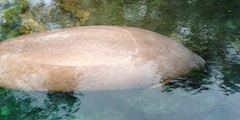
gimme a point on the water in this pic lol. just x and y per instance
(210, 28)
(147, 104)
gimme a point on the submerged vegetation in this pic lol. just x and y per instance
(10, 18)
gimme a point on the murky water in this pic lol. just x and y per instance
(210, 28)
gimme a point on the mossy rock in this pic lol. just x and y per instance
(11, 16)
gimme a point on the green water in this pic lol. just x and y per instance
(147, 104)
(210, 28)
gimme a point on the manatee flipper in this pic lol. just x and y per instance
(156, 86)
(161, 84)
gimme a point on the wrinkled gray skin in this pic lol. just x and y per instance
(93, 58)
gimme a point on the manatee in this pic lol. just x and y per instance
(93, 58)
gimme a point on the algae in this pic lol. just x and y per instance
(11, 17)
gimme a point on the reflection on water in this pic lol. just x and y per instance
(210, 28)
(142, 104)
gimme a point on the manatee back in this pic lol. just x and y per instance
(93, 58)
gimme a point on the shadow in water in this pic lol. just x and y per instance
(21, 105)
